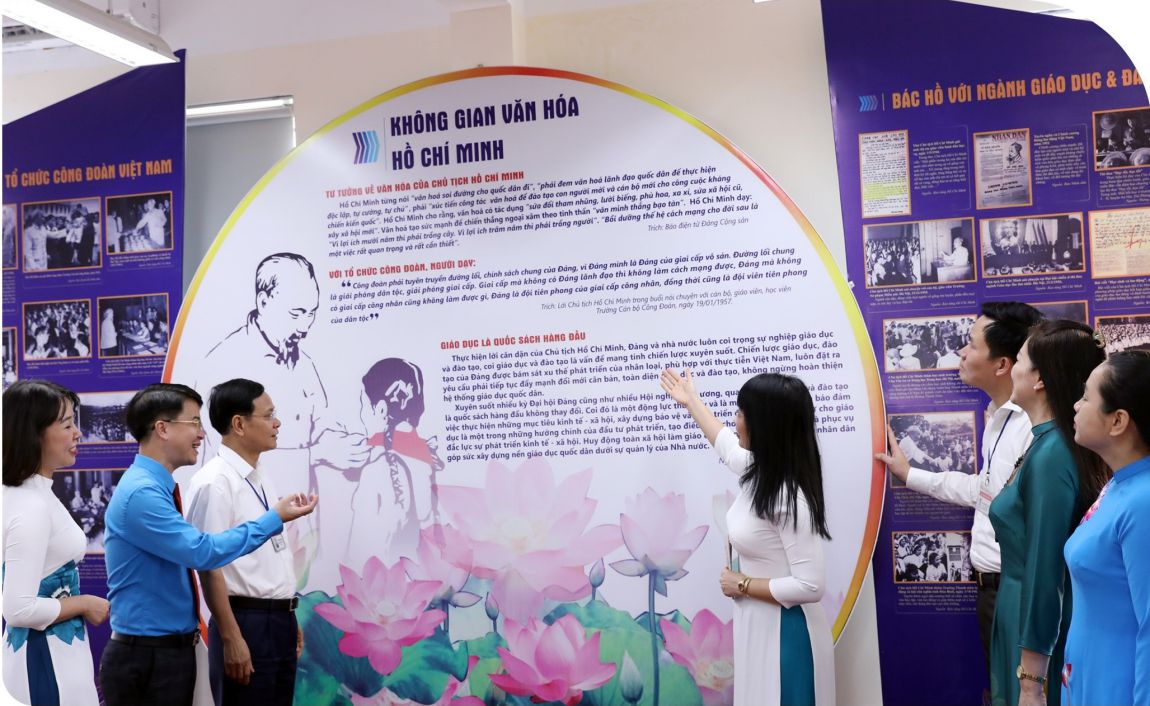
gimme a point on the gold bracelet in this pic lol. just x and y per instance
(744, 585)
(1021, 673)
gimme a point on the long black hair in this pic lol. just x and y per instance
(1064, 352)
(779, 417)
(30, 407)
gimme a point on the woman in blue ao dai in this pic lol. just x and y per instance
(1108, 650)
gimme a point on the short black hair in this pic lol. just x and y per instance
(155, 402)
(230, 398)
(1010, 324)
(30, 407)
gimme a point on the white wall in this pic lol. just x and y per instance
(754, 72)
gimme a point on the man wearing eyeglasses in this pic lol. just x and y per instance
(150, 551)
(254, 640)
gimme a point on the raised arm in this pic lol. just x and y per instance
(682, 390)
(151, 522)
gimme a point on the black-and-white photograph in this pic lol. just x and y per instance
(1122, 138)
(9, 236)
(1124, 333)
(101, 417)
(1075, 311)
(8, 352)
(86, 495)
(1002, 169)
(924, 343)
(58, 330)
(1032, 245)
(926, 252)
(935, 441)
(935, 557)
(139, 223)
(61, 235)
(133, 326)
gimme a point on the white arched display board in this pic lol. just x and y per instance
(459, 296)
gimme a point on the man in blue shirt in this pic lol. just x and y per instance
(150, 551)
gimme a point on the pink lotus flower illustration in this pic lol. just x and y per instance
(382, 613)
(708, 654)
(551, 662)
(433, 566)
(387, 697)
(527, 535)
(655, 532)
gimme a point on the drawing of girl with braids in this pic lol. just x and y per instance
(391, 501)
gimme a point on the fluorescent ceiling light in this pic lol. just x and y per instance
(238, 107)
(83, 25)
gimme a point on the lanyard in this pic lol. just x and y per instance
(990, 459)
(263, 500)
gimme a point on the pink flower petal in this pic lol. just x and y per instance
(678, 643)
(555, 654)
(629, 567)
(555, 690)
(374, 576)
(426, 625)
(522, 671)
(708, 634)
(354, 645)
(511, 685)
(516, 597)
(464, 599)
(385, 657)
(589, 671)
(634, 537)
(336, 615)
(420, 593)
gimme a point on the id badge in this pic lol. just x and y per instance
(278, 543)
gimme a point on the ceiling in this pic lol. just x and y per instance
(206, 27)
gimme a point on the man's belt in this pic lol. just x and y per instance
(178, 640)
(986, 580)
(268, 604)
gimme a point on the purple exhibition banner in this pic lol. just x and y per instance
(983, 154)
(93, 262)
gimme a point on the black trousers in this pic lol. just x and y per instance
(984, 607)
(271, 638)
(132, 675)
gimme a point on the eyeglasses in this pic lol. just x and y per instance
(270, 416)
(197, 421)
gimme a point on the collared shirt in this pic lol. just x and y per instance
(1005, 438)
(226, 492)
(149, 547)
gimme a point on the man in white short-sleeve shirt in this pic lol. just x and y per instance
(985, 363)
(254, 640)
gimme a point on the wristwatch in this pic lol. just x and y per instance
(1023, 674)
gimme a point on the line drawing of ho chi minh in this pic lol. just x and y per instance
(365, 463)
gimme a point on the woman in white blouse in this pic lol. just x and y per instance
(47, 658)
(783, 648)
